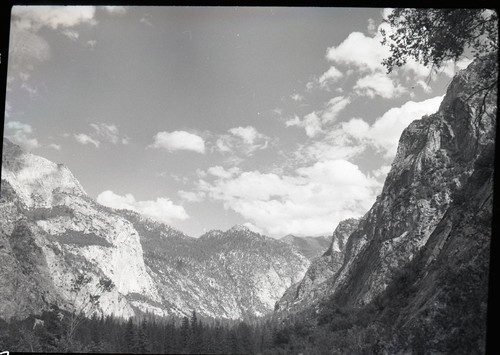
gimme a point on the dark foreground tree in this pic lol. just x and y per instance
(433, 36)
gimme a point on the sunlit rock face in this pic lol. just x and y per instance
(52, 233)
(436, 159)
(72, 234)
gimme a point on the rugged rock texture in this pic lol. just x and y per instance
(313, 286)
(311, 247)
(432, 222)
(72, 235)
(52, 234)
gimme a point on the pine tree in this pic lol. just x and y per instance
(185, 335)
(130, 336)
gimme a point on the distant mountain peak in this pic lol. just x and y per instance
(239, 228)
(213, 233)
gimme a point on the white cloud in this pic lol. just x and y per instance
(27, 47)
(311, 123)
(314, 122)
(91, 43)
(55, 146)
(108, 132)
(241, 140)
(378, 84)
(222, 173)
(385, 132)
(84, 139)
(333, 108)
(35, 17)
(309, 202)
(331, 75)
(25, 50)
(363, 54)
(335, 145)
(179, 140)
(191, 196)
(253, 228)
(360, 52)
(71, 34)
(161, 209)
(296, 97)
(21, 134)
(248, 134)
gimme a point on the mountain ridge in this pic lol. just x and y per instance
(150, 266)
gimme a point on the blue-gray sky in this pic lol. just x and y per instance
(205, 117)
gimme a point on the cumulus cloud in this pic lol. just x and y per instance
(109, 133)
(220, 172)
(360, 52)
(296, 97)
(21, 134)
(311, 123)
(314, 122)
(241, 140)
(311, 201)
(27, 47)
(334, 107)
(253, 228)
(385, 132)
(71, 34)
(36, 17)
(331, 75)
(179, 140)
(363, 54)
(248, 134)
(335, 145)
(378, 84)
(191, 196)
(161, 209)
(84, 139)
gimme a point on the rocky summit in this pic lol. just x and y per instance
(57, 245)
(419, 257)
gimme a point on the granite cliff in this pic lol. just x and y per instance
(419, 256)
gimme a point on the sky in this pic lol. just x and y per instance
(281, 119)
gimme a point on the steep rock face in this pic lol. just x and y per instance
(445, 287)
(311, 247)
(72, 235)
(313, 286)
(436, 156)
